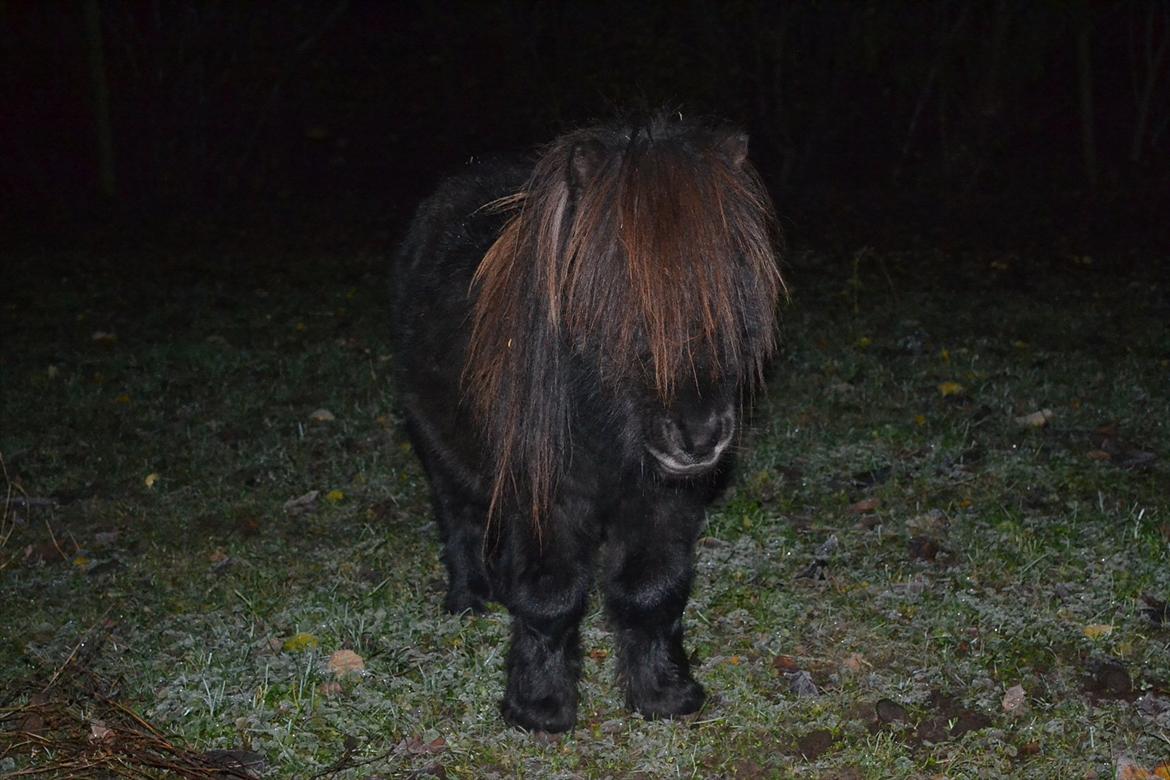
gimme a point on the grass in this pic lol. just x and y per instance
(153, 565)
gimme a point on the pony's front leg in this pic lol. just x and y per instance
(648, 570)
(548, 585)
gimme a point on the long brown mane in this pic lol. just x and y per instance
(648, 249)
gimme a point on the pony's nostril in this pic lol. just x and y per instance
(704, 441)
(674, 436)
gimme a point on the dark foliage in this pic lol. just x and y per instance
(571, 379)
(982, 113)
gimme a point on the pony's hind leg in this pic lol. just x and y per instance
(461, 522)
(648, 571)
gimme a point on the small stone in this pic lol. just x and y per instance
(801, 683)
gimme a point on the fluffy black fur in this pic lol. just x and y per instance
(554, 451)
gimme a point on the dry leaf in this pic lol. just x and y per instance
(1014, 699)
(322, 415)
(932, 523)
(785, 663)
(300, 642)
(949, 389)
(301, 504)
(1097, 630)
(924, 548)
(33, 722)
(854, 662)
(863, 506)
(151, 479)
(1038, 419)
(98, 731)
(1107, 430)
(416, 747)
(1126, 769)
(344, 662)
(105, 538)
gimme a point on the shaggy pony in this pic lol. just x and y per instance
(574, 341)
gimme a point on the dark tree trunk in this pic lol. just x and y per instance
(1147, 68)
(107, 183)
(1085, 89)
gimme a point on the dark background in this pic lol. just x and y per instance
(999, 123)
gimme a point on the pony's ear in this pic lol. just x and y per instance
(585, 162)
(734, 147)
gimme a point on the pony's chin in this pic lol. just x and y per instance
(681, 465)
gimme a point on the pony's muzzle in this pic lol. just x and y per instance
(691, 446)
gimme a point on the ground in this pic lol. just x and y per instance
(945, 553)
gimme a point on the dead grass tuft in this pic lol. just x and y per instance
(76, 726)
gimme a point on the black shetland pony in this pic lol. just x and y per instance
(574, 341)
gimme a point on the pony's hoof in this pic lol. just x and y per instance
(548, 715)
(683, 698)
(460, 600)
